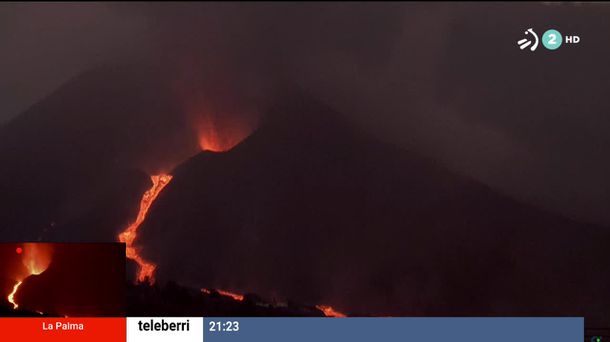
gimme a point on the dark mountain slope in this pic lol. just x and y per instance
(308, 208)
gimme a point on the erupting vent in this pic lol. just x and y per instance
(221, 135)
(146, 271)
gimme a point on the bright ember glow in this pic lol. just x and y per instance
(146, 269)
(329, 311)
(11, 297)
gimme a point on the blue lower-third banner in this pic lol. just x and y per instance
(436, 329)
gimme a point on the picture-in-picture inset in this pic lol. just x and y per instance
(62, 279)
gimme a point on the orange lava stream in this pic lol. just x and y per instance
(11, 297)
(235, 296)
(329, 311)
(146, 271)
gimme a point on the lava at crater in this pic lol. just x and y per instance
(220, 135)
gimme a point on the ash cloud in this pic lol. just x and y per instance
(442, 79)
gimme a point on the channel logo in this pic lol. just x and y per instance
(525, 42)
(552, 39)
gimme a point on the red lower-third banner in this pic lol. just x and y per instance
(63, 329)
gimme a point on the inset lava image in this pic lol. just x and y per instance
(62, 279)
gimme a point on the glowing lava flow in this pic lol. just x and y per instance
(11, 297)
(146, 271)
(329, 311)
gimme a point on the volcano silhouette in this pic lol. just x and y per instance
(310, 208)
